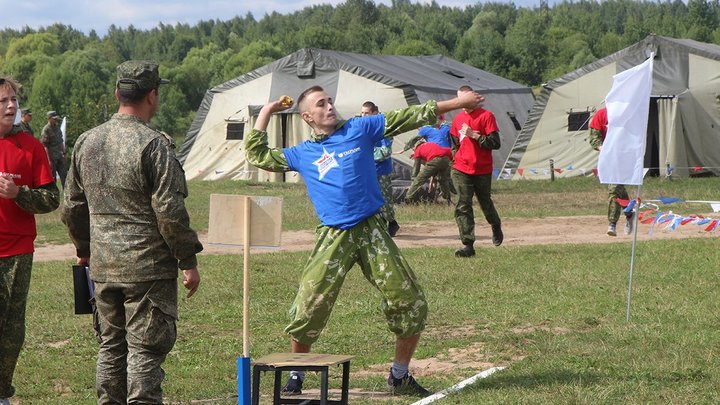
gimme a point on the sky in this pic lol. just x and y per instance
(86, 15)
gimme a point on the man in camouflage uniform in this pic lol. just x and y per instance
(384, 167)
(430, 160)
(124, 203)
(52, 138)
(338, 168)
(598, 131)
(26, 188)
(25, 118)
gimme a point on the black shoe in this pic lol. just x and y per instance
(293, 386)
(393, 228)
(466, 251)
(497, 237)
(406, 386)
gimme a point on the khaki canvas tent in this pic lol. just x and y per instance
(213, 148)
(684, 121)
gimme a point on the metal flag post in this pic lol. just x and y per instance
(635, 220)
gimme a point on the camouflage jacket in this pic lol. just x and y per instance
(124, 204)
(53, 141)
(24, 126)
(396, 122)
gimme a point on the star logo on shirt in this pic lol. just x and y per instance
(325, 163)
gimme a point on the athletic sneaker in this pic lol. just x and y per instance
(497, 237)
(293, 386)
(465, 251)
(611, 230)
(629, 224)
(406, 386)
(393, 228)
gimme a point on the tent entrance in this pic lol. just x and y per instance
(652, 145)
(660, 113)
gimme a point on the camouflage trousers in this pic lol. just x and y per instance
(388, 209)
(59, 168)
(136, 325)
(336, 251)
(468, 186)
(14, 285)
(438, 167)
(615, 209)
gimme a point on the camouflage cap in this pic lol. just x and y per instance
(138, 74)
(26, 111)
(53, 114)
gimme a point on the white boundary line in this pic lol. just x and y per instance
(457, 387)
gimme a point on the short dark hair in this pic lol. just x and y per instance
(465, 88)
(6, 81)
(132, 96)
(307, 92)
(370, 105)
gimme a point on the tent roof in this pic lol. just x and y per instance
(435, 72)
(420, 78)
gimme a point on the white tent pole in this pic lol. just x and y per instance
(246, 278)
(635, 220)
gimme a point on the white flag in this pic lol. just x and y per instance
(628, 103)
(18, 115)
(63, 128)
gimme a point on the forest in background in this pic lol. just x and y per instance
(64, 69)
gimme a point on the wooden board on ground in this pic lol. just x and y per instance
(227, 220)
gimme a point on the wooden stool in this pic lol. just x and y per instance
(279, 362)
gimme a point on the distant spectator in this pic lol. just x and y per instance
(384, 167)
(52, 138)
(431, 160)
(25, 118)
(598, 131)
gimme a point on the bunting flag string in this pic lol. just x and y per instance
(522, 171)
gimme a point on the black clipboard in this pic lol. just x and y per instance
(84, 290)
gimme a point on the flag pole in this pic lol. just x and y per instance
(635, 220)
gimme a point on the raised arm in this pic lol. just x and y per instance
(257, 151)
(415, 116)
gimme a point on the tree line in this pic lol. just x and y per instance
(64, 69)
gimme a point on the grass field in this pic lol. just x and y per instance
(554, 315)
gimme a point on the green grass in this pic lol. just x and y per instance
(554, 315)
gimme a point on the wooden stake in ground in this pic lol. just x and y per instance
(259, 225)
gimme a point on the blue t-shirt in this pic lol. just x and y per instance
(340, 173)
(440, 136)
(384, 167)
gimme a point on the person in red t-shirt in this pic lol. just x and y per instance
(476, 135)
(598, 131)
(26, 188)
(431, 160)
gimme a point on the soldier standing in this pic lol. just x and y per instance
(125, 204)
(25, 118)
(26, 188)
(52, 138)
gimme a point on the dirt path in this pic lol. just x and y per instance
(518, 231)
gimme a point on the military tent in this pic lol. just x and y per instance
(684, 121)
(213, 148)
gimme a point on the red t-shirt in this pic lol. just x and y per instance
(600, 121)
(22, 158)
(428, 151)
(471, 158)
